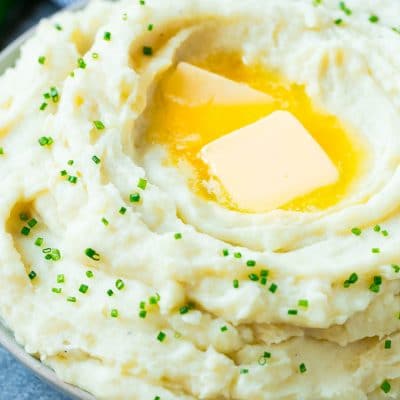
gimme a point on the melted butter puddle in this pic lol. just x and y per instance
(184, 130)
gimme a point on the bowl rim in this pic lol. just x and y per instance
(7, 340)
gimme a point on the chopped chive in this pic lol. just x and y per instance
(377, 228)
(302, 368)
(142, 305)
(58, 27)
(81, 63)
(344, 8)
(303, 303)
(54, 95)
(89, 274)
(70, 162)
(52, 254)
(23, 216)
(96, 160)
(95, 56)
(42, 60)
(110, 292)
(251, 263)
(119, 284)
(351, 281)
(99, 125)
(244, 371)
(63, 172)
(56, 290)
(374, 19)
(105, 221)
(224, 328)
(237, 255)
(178, 236)
(356, 231)
(225, 252)
(386, 387)
(396, 268)
(83, 288)
(32, 222)
(107, 36)
(122, 210)
(46, 141)
(338, 21)
(388, 344)
(147, 50)
(114, 313)
(142, 2)
(150, 27)
(161, 336)
(254, 277)
(262, 361)
(184, 310)
(264, 272)
(60, 278)
(142, 183)
(236, 283)
(32, 275)
(264, 280)
(71, 299)
(293, 312)
(267, 354)
(25, 231)
(134, 198)
(385, 233)
(378, 280)
(72, 179)
(92, 254)
(1, 151)
(43, 106)
(39, 241)
(142, 314)
(273, 288)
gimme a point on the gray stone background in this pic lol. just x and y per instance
(16, 382)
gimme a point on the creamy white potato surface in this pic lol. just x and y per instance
(123, 269)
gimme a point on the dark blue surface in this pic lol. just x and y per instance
(17, 382)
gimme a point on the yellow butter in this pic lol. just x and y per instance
(195, 86)
(269, 163)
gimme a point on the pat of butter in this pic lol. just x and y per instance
(269, 163)
(195, 86)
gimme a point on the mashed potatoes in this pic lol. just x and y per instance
(121, 274)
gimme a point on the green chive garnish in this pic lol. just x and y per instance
(32, 275)
(92, 254)
(99, 125)
(302, 368)
(142, 184)
(161, 336)
(39, 241)
(81, 63)
(356, 231)
(224, 328)
(134, 198)
(119, 284)
(147, 50)
(83, 288)
(96, 160)
(114, 313)
(107, 36)
(42, 60)
(273, 288)
(386, 387)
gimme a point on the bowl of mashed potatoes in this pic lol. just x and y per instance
(199, 199)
